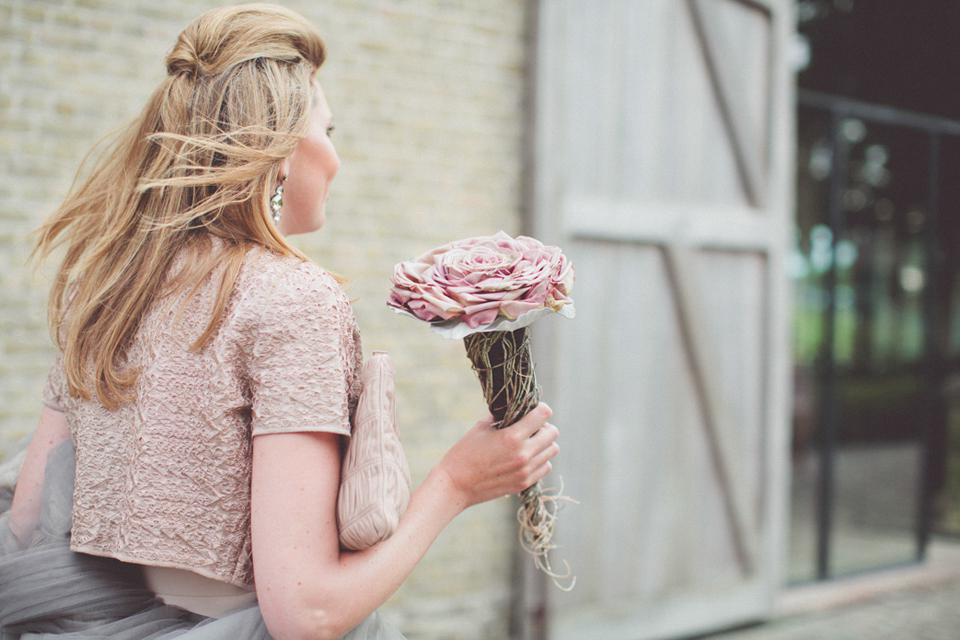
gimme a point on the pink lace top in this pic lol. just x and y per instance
(165, 480)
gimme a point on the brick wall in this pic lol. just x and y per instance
(427, 100)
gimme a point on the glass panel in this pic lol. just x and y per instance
(879, 351)
(879, 348)
(809, 263)
(945, 447)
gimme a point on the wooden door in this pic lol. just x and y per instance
(663, 151)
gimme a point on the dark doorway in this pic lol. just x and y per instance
(876, 268)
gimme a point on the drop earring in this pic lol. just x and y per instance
(277, 201)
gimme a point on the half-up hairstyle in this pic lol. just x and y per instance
(199, 162)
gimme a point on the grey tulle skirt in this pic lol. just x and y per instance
(48, 592)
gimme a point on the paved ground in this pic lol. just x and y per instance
(917, 602)
(876, 489)
(921, 612)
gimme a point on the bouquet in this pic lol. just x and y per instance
(488, 291)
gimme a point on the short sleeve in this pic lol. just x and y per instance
(55, 390)
(301, 366)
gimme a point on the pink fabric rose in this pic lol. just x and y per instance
(480, 279)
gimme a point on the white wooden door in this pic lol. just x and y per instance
(663, 153)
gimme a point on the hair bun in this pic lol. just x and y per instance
(183, 58)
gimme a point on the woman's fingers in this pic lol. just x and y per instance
(536, 453)
(531, 423)
(540, 464)
(542, 445)
(543, 455)
(543, 436)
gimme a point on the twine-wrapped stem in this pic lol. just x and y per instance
(502, 362)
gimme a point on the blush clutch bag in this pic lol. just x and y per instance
(375, 476)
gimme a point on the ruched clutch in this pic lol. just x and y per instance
(375, 476)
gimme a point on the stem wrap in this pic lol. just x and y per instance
(502, 362)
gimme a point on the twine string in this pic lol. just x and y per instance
(537, 516)
(502, 362)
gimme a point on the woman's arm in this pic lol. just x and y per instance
(51, 431)
(307, 587)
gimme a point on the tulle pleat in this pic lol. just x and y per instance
(48, 592)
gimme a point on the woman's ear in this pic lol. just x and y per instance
(284, 170)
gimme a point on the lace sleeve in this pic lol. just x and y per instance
(301, 367)
(56, 388)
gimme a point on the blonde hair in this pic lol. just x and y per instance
(199, 162)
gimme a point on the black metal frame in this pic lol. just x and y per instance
(935, 128)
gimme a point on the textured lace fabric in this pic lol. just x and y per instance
(165, 479)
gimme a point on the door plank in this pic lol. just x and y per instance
(724, 440)
(694, 225)
(728, 83)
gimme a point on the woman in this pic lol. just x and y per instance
(207, 372)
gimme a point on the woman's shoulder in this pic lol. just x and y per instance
(287, 282)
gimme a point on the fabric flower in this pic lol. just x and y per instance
(481, 279)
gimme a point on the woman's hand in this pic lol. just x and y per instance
(488, 463)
